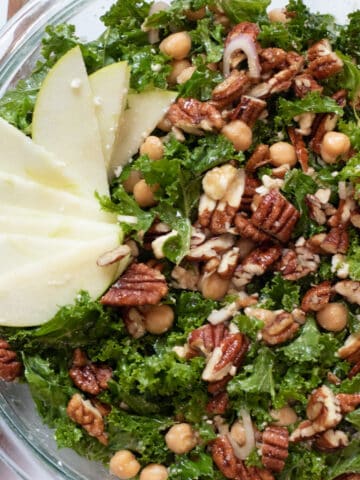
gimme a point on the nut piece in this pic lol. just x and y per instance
(276, 216)
(259, 158)
(247, 230)
(331, 440)
(280, 329)
(351, 352)
(204, 339)
(323, 412)
(211, 248)
(349, 289)
(87, 376)
(217, 181)
(274, 449)
(323, 61)
(193, 116)
(10, 367)
(336, 241)
(226, 358)
(317, 297)
(231, 88)
(82, 412)
(224, 457)
(348, 401)
(301, 151)
(139, 285)
(255, 264)
(218, 404)
(304, 84)
(298, 263)
(249, 110)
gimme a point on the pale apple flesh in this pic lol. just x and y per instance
(65, 123)
(143, 113)
(110, 87)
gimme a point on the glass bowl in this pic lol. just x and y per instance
(26, 445)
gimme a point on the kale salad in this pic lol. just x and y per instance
(229, 347)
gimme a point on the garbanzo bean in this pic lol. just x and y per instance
(333, 317)
(152, 147)
(124, 465)
(333, 146)
(159, 319)
(282, 153)
(177, 45)
(144, 194)
(181, 438)
(239, 133)
(154, 471)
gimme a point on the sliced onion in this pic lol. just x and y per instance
(154, 32)
(245, 43)
(243, 452)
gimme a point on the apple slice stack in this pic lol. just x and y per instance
(52, 230)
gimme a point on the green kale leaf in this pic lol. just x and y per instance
(351, 172)
(208, 38)
(304, 464)
(280, 293)
(297, 186)
(354, 418)
(348, 41)
(245, 10)
(346, 461)
(197, 465)
(201, 83)
(313, 102)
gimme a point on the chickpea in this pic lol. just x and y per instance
(238, 433)
(152, 147)
(214, 287)
(334, 145)
(181, 438)
(144, 194)
(278, 15)
(124, 465)
(177, 45)
(185, 75)
(159, 319)
(154, 471)
(333, 317)
(284, 416)
(282, 153)
(195, 15)
(239, 133)
(177, 67)
(132, 180)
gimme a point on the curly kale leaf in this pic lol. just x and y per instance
(351, 172)
(197, 465)
(304, 464)
(245, 10)
(280, 293)
(349, 39)
(346, 461)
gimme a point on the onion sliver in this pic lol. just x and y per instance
(245, 43)
(154, 32)
(243, 452)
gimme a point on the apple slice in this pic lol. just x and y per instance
(65, 123)
(110, 86)
(17, 192)
(144, 112)
(31, 295)
(19, 155)
(19, 249)
(49, 225)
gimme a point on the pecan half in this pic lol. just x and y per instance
(247, 230)
(317, 297)
(224, 457)
(139, 285)
(276, 216)
(331, 440)
(274, 449)
(87, 376)
(228, 263)
(280, 329)
(336, 241)
(304, 84)
(298, 263)
(316, 209)
(226, 358)
(349, 289)
(193, 116)
(218, 404)
(323, 412)
(348, 401)
(323, 62)
(251, 184)
(204, 339)
(272, 59)
(211, 248)
(350, 351)
(249, 110)
(231, 89)
(259, 158)
(255, 264)
(300, 148)
(10, 367)
(85, 414)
